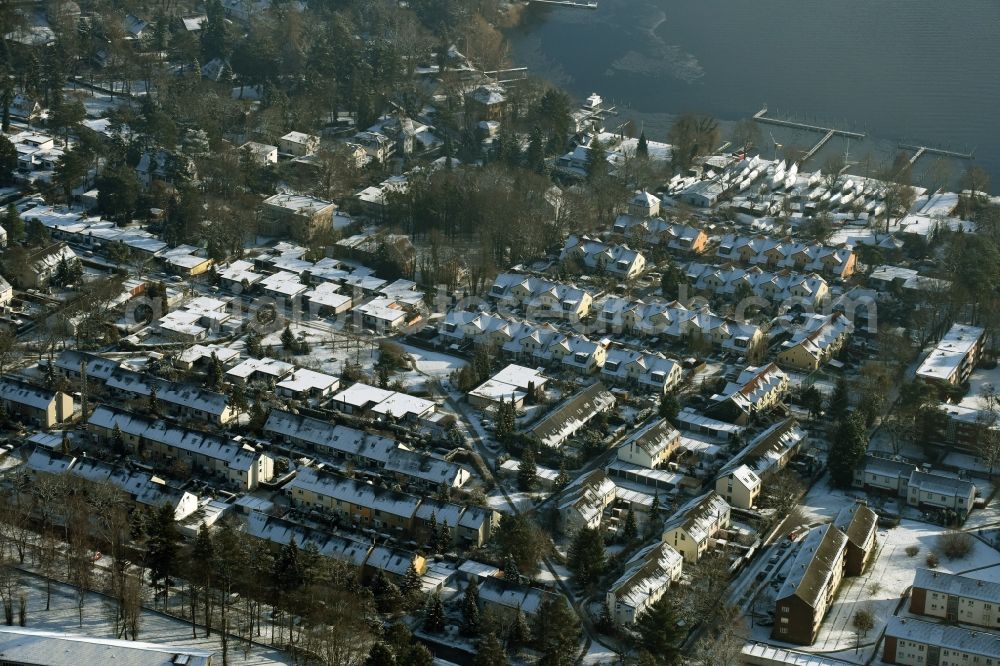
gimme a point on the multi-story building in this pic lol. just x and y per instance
(859, 524)
(954, 598)
(811, 585)
(954, 357)
(918, 643)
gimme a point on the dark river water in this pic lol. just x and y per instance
(902, 71)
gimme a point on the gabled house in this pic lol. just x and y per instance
(40, 266)
(756, 390)
(34, 405)
(693, 526)
(740, 486)
(955, 598)
(617, 260)
(859, 524)
(816, 342)
(573, 414)
(647, 577)
(650, 445)
(583, 505)
(646, 371)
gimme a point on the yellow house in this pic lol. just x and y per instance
(740, 487)
(33, 405)
(695, 524)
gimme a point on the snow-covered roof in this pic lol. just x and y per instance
(947, 637)
(572, 415)
(945, 359)
(322, 434)
(820, 553)
(33, 646)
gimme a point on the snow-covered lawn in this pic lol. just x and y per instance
(155, 628)
(428, 364)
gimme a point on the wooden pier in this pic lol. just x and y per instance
(582, 4)
(828, 132)
(921, 150)
(819, 144)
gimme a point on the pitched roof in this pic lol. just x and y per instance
(957, 586)
(820, 553)
(945, 636)
(858, 522)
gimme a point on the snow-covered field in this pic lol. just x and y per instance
(155, 628)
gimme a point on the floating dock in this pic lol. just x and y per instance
(582, 4)
(761, 116)
(921, 150)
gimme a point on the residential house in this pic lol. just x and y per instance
(617, 260)
(6, 292)
(338, 442)
(177, 400)
(261, 154)
(40, 266)
(650, 445)
(954, 357)
(929, 490)
(505, 598)
(354, 501)
(584, 503)
(515, 383)
(259, 370)
(383, 315)
(646, 371)
(811, 585)
(33, 405)
(884, 475)
(739, 486)
(955, 598)
(580, 354)
(232, 460)
(297, 216)
(647, 577)
(834, 261)
(917, 643)
(573, 414)
(485, 103)
(305, 384)
(756, 390)
(541, 297)
(772, 449)
(298, 144)
(815, 342)
(693, 526)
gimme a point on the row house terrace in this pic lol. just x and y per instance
(595, 255)
(785, 285)
(647, 577)
(541, 297)
(232, 460)
(815, 341)
(755, 391)
(349, 445)
(834, 261)
(142, 488)
(678, 323)
(389, 511)
(368, 559)
(645, 370)
(680, 238)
